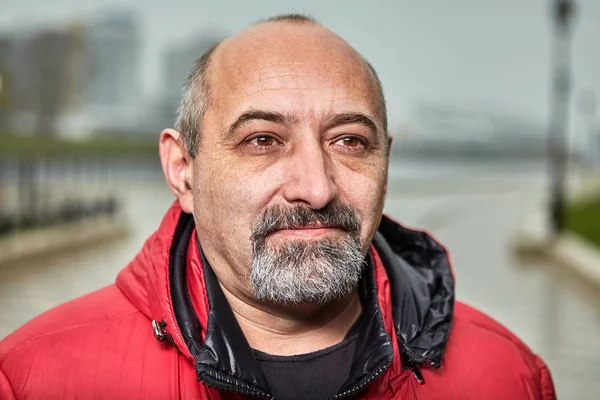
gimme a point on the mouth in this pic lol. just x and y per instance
(307, 231)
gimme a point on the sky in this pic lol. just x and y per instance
(489, 55)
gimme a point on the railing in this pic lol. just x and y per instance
(36, 192)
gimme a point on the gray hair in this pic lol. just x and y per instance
(196, 91)
(297, 272)
(194, 102)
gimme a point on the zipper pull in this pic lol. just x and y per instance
(160, 332)
(414, 367)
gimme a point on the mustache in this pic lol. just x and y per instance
(334, 215)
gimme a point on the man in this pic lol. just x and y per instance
(274, 274)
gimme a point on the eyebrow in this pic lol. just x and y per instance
(257, 115)
(351, 118)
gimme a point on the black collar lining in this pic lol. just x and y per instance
(185, 315)
(422, 288)
(374, 346)
(225, 348)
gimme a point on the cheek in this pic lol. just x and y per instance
(364, 192)
(232, 198)
(226, 205)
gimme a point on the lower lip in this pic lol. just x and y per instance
(306, 233)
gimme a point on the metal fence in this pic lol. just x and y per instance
(45, 191)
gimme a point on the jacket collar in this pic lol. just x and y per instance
(145, 280)
(422, 285)
(408, 269)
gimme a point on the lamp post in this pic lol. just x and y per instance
(562, 13)
(588, 104)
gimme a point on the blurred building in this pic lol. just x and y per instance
(112, 96)
(5, 81)
(72, 80)
(42, 76)
(113, 43)
(83, 78)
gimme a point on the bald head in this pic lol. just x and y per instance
(263, 54)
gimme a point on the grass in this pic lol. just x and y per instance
(36, 146)
(584, 219)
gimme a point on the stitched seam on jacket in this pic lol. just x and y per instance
(35, 338)
(12, 390)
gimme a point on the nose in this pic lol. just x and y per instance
(309, 177)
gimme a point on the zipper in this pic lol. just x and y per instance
(365, 382)
(414, 367)
(221, 385)
(413, 360)
(160, 332)
(230, 387)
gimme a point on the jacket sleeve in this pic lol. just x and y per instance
(545, 381)
(6, 390)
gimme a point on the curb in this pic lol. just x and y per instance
(568, 250)
(579, 255)
(39, 242)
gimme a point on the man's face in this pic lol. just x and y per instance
(291, 141)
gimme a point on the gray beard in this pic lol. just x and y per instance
(313, 271)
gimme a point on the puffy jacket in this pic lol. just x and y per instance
(165, 331)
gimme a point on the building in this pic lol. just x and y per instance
(72, 79)
(43, 75)
(113, 43)
(6, 86)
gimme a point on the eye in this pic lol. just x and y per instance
(351, 143)
(263, 141)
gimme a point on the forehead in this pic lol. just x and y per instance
(308, 59)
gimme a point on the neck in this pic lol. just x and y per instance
(299, 329)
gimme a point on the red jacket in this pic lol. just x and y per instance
(417, 343)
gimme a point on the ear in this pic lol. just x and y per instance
(177, 166)
(389, 147)
(388, 151)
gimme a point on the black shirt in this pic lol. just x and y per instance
(317, 375)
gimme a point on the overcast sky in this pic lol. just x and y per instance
(490, 54)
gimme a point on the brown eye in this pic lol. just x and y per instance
(351, 142)
(264, 141)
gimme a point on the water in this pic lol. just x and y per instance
(473, 208)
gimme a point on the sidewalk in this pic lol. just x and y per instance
(44, 241)
(569, 250)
